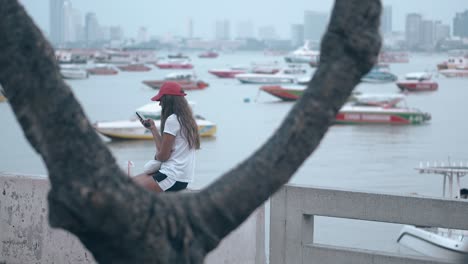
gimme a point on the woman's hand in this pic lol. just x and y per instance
(151, 124)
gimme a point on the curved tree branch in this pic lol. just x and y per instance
(118, 221)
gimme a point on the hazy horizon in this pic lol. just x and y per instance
(172, 17)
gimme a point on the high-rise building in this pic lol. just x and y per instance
(442, 31)
(57, 21)
(190, 28)
(245, 30)
(297, 35)
(413, 30)
(267, 33)
(315, 24)
(142, 35)
(460, 25)
(116, 33)
(386, 22)
(223, 30)
(92, 29)
(427, 34)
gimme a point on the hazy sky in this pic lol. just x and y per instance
(162, 17)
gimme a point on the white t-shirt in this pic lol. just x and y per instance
(181, 164)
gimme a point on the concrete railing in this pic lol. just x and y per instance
(292, 222)
(26, 237)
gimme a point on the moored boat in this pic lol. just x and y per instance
(228, 73)
(379, 75)
(188, 81)
(256, 78)
(393, 57)
(380, 109)
(304, 55)
(102, 70)
(134, 67)
(208, 55)
(453, 63)
(454, 73)
(442, 243)
(174, 64)
(284, 93)
(418, 82)
(133, 129)
(73, 72)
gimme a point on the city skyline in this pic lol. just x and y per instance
(131, 17)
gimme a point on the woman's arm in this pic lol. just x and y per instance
(167, 144)
(163, 143)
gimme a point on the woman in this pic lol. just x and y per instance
(177, 143)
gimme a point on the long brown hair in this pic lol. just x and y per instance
(179, 106)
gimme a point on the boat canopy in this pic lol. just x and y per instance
(384, 100)
(418, 76)
(180, 76)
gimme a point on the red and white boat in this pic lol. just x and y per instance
(174, 64)
(454, 63)
(135, 68)
(455, 73)
(227, 73)
(188, 81)
(208, 55)
(418, 82)
(103, 70)
(380, 109)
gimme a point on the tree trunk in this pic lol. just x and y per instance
(118, 221)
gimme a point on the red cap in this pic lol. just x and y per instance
(169, 88)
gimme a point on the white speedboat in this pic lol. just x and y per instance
(303, 55)
(133, 129)
(73, 72)
(442, 243)
(257, 78)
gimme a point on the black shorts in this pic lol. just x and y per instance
(177, 186)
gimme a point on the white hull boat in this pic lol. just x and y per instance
(439, 243)
(265, 78)
(442, 243)
(73, 73)
(133, 129)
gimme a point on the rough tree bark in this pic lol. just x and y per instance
(118, 221)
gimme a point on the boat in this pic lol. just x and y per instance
(133, 129)
(208, 55)
(379, 75)
(153, 110)
(284, 93)
(418, 82)
(102, 70)
(441, 243)
(187, 80)
(174, 64)
(73, 72)
(380, 109)
(303, 55)
(228, 73)
(454, 73)
(178, 55)
(265, 68)
(135, 67)
(257, 78)
(454, 63)
(393, 57)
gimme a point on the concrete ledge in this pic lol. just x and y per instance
(26, 236)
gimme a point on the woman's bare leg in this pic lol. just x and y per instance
(147, 182)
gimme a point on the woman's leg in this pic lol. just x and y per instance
(147, 182)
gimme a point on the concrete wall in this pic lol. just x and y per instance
(25, 235)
